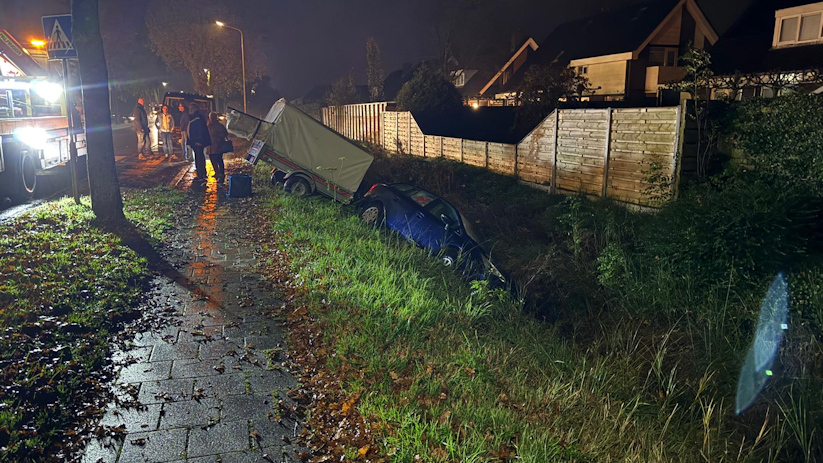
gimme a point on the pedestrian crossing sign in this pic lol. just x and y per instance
(59, 38)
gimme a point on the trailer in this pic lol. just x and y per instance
(307, 156)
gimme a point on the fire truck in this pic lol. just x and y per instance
(34, 125)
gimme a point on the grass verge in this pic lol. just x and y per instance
(450, 371)
(65, 287)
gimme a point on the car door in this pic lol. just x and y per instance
(409, 217)
(427, 227)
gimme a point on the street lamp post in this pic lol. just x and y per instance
(242, 59)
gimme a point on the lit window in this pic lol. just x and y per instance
(810, 27)
(788, 30)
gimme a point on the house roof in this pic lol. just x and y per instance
(626, 30)
(747, 45)
(481, 124)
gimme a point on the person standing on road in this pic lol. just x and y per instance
(141, 127)
(219, 137)
(199, 139)
(165, 125)
(184, 133)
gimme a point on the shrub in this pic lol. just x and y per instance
(782, 139)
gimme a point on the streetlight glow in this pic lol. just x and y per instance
(242, 58)
(38, 43)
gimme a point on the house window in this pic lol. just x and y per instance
(799, 25)
(662, 56)
(788, 30)
(809, 27)
(582, 70)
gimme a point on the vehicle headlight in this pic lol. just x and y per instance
(50, 91)
(32, 136)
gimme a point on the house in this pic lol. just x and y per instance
(775, 47)
(627, 54)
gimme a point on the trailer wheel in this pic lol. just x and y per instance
(300, 188)
(22, 171)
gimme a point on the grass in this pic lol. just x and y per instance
(65, 287)
(455, 372)
(650, 318)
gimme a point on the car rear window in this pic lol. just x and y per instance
(421, 197)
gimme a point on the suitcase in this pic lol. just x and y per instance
(239, 186)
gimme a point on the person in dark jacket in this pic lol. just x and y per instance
(198, 140)
(184, 133)
(140, 121)
(218, 135)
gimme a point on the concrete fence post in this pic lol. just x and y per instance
(606, 152)
(554, 151)
(487, 155)
(408, 131)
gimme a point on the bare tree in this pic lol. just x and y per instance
(374, 63)
(105, 188)
(185, 36)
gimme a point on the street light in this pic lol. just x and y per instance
(38, 43)
(242, 59)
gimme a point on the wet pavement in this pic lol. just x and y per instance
(208, 386)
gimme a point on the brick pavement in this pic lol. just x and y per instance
(205, 388)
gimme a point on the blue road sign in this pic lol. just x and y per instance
(60, 41)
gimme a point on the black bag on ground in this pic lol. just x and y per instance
(239, 186)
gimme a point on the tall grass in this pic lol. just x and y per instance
(454, 372)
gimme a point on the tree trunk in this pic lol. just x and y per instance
(105, 188)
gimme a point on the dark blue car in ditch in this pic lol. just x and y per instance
(432, 223)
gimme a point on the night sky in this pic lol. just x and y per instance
(315, 42)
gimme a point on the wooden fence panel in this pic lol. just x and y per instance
(389, 131)
(416, 141)
(536, 152)
(403, 132)
(501, 158)
(433, 145)
(452, 148)
(361, 122)
(474, 153)
(640, 139)
(581, 150)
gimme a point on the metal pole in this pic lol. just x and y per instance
(75, 190)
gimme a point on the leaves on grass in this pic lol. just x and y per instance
(66, 287)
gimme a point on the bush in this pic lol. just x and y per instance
(782, 139)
